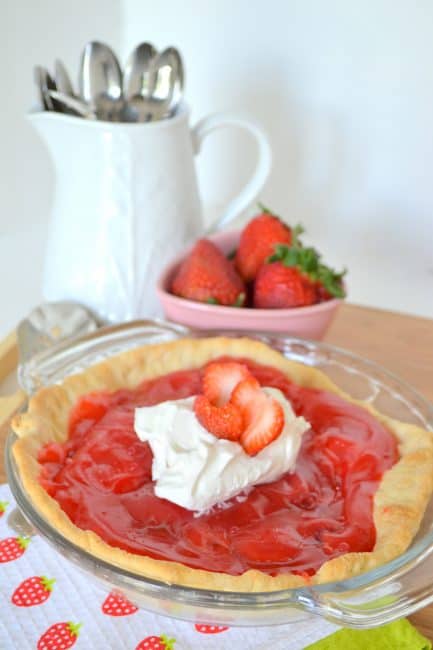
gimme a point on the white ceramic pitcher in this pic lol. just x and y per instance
(126, 202)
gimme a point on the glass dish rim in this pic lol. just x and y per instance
(229, 598)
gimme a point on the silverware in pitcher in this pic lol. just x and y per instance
(149, 89)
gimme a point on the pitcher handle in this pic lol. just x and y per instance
(254, 186)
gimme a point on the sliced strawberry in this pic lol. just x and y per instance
(224, 422)
(220, 378)
(246, 391)
(263, 416)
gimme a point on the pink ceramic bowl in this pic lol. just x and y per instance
(307, 322)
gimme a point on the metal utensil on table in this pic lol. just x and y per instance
(100, 81)
(72, 105)
(45, 326)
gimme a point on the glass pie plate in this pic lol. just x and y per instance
(391, 591)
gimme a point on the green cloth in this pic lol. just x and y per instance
(400, 635)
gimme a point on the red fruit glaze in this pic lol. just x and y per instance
(320, 511)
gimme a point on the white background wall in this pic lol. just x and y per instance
(35, 32)
(344, 90)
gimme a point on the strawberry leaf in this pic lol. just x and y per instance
(212, 301)
(264, 209)
(307, 260)
(240, 300)
(296, 231)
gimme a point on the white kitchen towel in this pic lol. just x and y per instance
(38, 615)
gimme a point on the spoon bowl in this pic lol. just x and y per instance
(168, 80)
(100, 80)
(62, 79)
(136, 78)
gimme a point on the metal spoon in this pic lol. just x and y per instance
(173, 56)
(167, 82)
(143, 109)
(63, 81)
(100, 80)
(136, 77)
(72, 105)
(44, 83)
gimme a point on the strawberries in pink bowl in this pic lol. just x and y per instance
(259, 279)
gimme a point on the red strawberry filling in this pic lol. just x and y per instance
(101, 477)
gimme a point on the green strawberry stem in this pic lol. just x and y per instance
(74, 628)
(168, 643)
(264, 209)
(3, 505)
(47, 584)
(307, 260)
(23, 542)
(296, 231)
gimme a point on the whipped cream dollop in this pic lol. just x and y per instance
(195, 469)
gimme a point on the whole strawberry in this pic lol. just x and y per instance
(206, 275)
(12, 548)
(279, 286)
(294, 276)
(32, 591)
(59, 636)
(3, 506)
(156, 643)
(258, 240)
(117, 605)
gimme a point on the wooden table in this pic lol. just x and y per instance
(403, 344)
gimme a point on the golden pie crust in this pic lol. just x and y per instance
(399, 502)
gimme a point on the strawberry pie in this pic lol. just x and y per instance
(218, 463)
